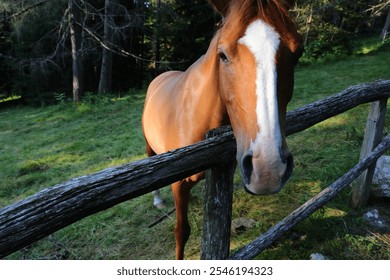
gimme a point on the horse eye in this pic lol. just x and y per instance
(223, 57)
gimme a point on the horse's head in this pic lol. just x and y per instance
(258, 48)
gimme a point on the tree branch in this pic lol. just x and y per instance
(25, 10)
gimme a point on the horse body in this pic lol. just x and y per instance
(181, 106)
(245, 79)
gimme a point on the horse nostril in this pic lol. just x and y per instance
(247, 167)
(289, 168)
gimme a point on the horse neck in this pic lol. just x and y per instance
(208, 67)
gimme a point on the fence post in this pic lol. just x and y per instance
(372, 137)
(218, 207)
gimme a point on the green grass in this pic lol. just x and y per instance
(40, 147)
(47, 145)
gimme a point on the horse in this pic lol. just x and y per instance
(245, 79)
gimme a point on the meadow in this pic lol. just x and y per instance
(46, 145)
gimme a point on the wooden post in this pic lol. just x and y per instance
(218, 207)
(372, 136)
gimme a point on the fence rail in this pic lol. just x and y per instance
(51, 209)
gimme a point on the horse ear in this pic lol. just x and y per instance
(221, 6)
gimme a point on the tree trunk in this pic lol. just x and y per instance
(77, 58)
(106, 68)
(386, 28)
(308, 25)
(157, 38)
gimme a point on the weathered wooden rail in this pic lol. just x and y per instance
(49, 210)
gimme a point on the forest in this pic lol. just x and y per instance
(65, 49)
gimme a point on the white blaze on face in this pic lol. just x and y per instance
(263, 42)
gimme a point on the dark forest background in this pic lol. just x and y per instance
(63, 49)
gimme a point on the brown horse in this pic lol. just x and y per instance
(245, 79)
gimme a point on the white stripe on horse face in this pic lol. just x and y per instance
(263, 42)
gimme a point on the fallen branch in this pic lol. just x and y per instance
(162, 218)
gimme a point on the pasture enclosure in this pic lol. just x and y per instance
(37, 216)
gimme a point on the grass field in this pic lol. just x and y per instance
(43, 146)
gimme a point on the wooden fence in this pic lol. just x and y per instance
(51, 209)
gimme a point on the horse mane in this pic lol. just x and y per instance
(250, 8)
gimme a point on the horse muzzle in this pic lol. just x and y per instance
(266, 173)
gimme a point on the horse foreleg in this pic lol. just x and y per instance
(181, 193)
(158, 202)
